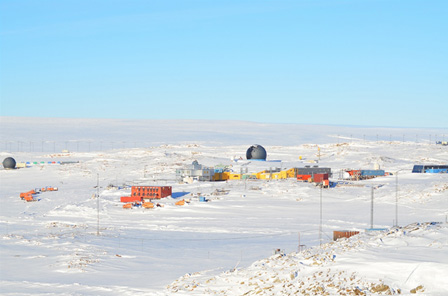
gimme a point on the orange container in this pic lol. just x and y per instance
(343, 233)
(148, 205)
(319, 178)
(23, 194)
(130, 199)
(29, 197)
(180, 203)
(303, 177)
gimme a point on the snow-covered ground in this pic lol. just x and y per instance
(225, 246)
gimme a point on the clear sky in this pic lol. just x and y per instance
(347, 62)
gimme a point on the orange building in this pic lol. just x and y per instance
(151, 192)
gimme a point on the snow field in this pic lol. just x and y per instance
(52, 245)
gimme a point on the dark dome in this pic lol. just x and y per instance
(256, 152)
(9, 163)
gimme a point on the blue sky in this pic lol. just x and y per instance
(352, 62)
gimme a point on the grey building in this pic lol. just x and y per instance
(195, 171)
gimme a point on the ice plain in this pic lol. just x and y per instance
(225, 246)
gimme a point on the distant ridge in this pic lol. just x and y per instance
(212, 132)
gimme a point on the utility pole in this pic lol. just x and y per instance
(300, 246)
(98, 203)
(396, 197)
(320, 225)
(371, 210)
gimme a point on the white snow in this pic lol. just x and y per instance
(225, 246)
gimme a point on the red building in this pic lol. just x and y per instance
(151, 192)
(319, 178)
(140, 193)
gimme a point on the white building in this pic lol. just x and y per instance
(195, 171)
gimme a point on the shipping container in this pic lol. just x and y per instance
(217, 177)
(148, 205)
(23, 194)
(343, 233)
(319, 178)
(301, 177)
(226, 175)
(180, 203)
(233, 176)
(354, 173)
(29, 197)
(130, 199)
(372, 173)
(436, 171)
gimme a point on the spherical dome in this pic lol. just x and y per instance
(256, 152)
(9, 163)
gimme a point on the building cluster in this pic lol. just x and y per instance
(198, 172)
(144, 195)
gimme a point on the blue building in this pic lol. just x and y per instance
(433, 169)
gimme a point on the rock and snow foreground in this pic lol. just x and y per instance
(404, 260)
